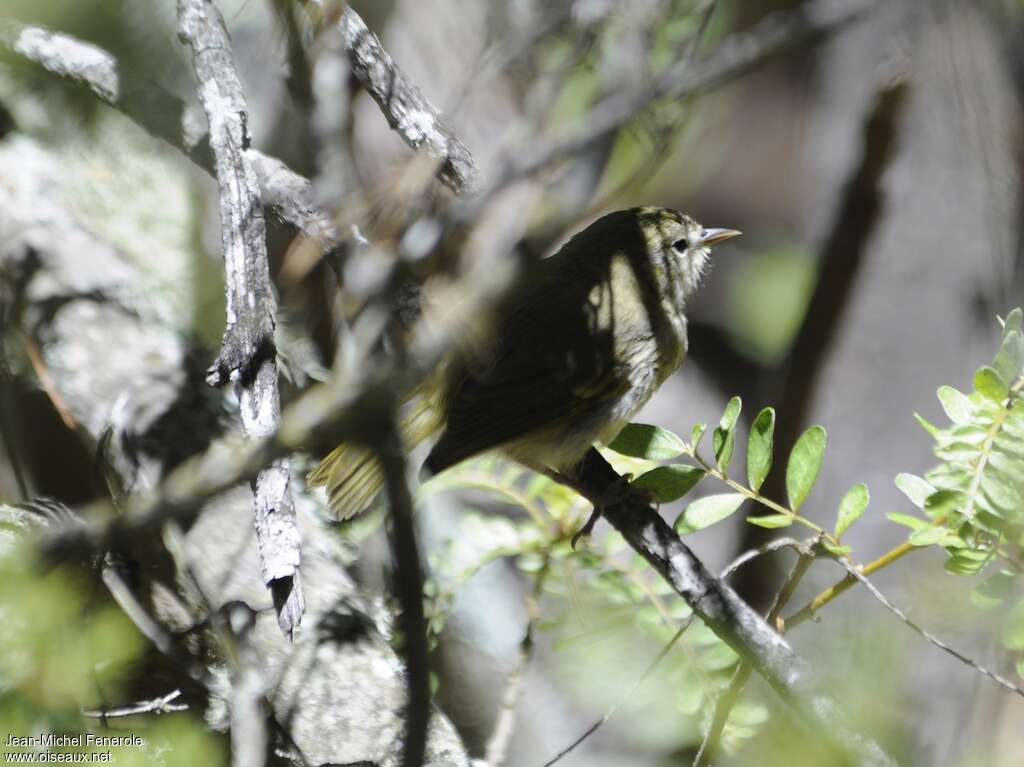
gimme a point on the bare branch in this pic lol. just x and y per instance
(247, 355)
(407, 111)
(161, 705)
(736, 55)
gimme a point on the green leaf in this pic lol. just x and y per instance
(927, 536)
(771, 521)
(697, 435)
(967, 562)
(641, 440)
(994, 590)
(990, 384)
(731, 413)
(760, 448)
(927, 425)
(1013, 629)
(915, 488)
(724, 436)
(804, 465)
(708, 510)
(1010, 357)
(851, 507)
(670, 483)
(1012, 321)
(914, 523)
(958, 408)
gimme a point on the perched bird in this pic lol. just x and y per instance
(571, 358)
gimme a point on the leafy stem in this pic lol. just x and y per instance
(753, 495)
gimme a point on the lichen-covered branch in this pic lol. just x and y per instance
(340, 689)
(407, 111)
(247, 355)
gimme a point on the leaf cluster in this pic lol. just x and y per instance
(972, 502)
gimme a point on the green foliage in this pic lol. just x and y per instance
(760, 448)
(973, 500)
(640, 440)
(670, 483)
(804, 465)
(708, 510)
(63, 650)
(851, 507)
(724, 437)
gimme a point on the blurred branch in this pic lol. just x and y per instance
(129, 384)
(407, 111)
(737, 54)
(409, 589)
(504, 725)
(161, 114)
(842, 254)
(247, 355)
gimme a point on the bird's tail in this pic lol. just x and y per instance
(353, 476)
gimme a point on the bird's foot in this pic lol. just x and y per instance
(619, 491)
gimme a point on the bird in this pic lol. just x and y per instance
(568, 361)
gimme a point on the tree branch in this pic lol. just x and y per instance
(247, 355)
(735, 622)
(405, 108)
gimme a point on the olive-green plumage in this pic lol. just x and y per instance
(573, 356)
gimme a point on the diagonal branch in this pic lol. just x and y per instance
(247, 355)
(405, 108)
(732, 619)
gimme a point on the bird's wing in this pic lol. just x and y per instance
(556, 361)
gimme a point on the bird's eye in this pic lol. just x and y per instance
(680, 246)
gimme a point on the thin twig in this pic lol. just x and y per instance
(247, 355)
(504, 725)
(854, 573)
(161, 705)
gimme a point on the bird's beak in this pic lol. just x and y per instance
(715, 236)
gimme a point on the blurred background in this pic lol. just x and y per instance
(876, 170)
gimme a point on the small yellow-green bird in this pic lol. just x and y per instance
(599, 327)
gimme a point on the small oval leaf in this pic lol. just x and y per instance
(771, 521)
(927, 536)
(641, 440)
(914, 523)
(708, 510)
(915, 488)
(697, 435)
(724, 442)
(990, 384)
(958, 408)
(724, 436)
(804, 465)
(670, 483)
(851, 507)
(731, 413)
(760, 448)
